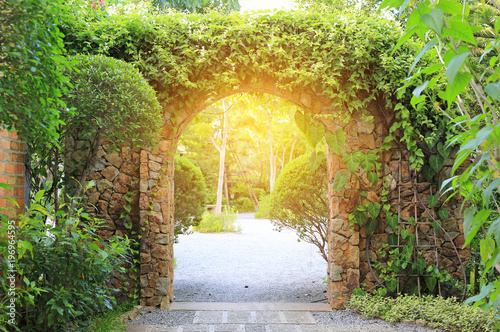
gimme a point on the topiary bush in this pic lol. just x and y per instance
(190, 195)
(299, 202)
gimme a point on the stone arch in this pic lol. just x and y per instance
(313, 61)
(158, 237)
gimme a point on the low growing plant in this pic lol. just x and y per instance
(434, 311)
(225, 222)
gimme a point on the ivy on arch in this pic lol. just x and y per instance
(183, 57)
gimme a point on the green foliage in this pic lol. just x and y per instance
(31, 79)
(64, 271)
(435, 312)
(243, 204)
(109, 100)
(209, 55)
(197, 6)
(223, 223)
(109, 321)
(190, 195)
(112, 100)
(471, 84)
(265, 207)
(299, 202)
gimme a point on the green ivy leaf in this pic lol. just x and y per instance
(428, 172)
(302, 121)
(443, 214)
(372, 177)
(371, 225)
(392, 284)
(340, 181)
(431, 283)
(432, 199)
(373, 209)
(351, 161)
(442, 150)
(436, 161)
(366, 160)
(392, 221)
(405, 233)
(315, 160)
(315, 133)
(434, 20)
(393, 239)
(336, 141)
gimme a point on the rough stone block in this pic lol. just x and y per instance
(114, 159)
(160, 251)
(336, 272)
(110, 173)
(161, 288)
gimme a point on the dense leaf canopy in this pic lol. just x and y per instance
(192, 56)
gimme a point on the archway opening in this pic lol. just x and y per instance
(248, 260)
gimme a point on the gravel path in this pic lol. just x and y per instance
(256, 265)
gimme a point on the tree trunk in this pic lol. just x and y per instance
(222, 157)
(272, 159)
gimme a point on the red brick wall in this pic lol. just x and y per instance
(12, 156)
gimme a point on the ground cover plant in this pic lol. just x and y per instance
(433, 311)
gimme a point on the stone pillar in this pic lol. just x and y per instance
(343, 240)
(156, 206)
(12, 171)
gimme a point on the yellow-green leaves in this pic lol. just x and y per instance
(351, 161)
(340, 181)
(336, 141)
(315, 133)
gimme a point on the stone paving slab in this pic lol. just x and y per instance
(250, 306)
(268, 328)
(253, 317)
(327, 328)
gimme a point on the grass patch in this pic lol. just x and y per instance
(434, 311)
(223, 223)
(109, 322)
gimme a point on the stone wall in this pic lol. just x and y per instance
(343, 238)
(408, 196)
(156, 206)
(116, 178)
(12, 170)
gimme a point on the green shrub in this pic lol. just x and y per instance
(190, 195)
(435, 311)
(299, 202)
(225, 222)
(264, 208)
(64, 271)
(259, 192)
(243, 204)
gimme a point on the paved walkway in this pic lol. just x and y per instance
(259, 317)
